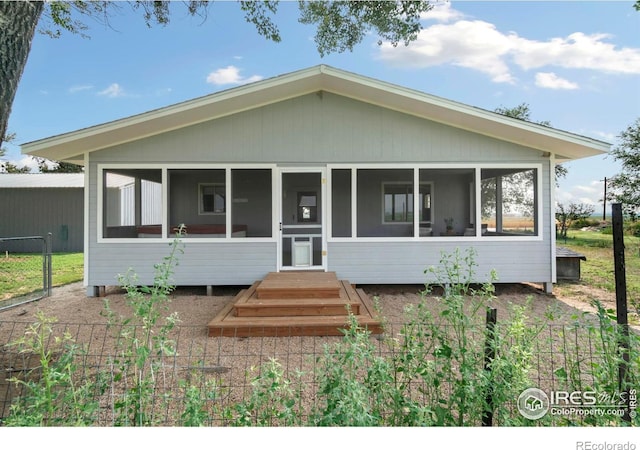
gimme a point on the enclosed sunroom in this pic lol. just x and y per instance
(319, 169)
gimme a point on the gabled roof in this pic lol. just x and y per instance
(41, 180)
(71, 146)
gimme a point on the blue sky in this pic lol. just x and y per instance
(576, 64)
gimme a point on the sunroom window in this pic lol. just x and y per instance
(509, 202)
(132, 203)
(197, 200)
(385, 203)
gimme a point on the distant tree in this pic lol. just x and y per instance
(625, 187)
(6, 166)
(341, 25)
(47, 166)
(566, 215)
(523, 112)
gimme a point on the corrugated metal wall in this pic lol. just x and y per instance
(38, 211)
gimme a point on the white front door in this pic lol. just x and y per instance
(302, 219)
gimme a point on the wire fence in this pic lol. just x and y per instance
(225, 372)
(25, 269)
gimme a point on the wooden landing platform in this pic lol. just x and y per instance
(295, 304)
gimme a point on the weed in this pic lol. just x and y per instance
(53, 396)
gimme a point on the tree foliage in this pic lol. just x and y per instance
(341, 25)
(566, 215)
(625, 187)
(523, 112)
(6, 166)
(47, 166)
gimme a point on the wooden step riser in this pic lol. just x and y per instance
(263, 293)
(285, 331)
(252, 310)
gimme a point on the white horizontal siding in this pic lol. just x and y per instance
(312, 129)
(405, 262)
(200, 264)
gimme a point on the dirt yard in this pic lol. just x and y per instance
(232, 360)
(69, 304)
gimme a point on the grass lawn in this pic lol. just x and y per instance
(21, 273)
(598, 269)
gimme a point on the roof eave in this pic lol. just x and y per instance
(71, 146)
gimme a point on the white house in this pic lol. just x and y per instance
(319, 169)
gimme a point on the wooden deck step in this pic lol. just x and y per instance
(250, 315)
(248, 304)
(299, 285)
(233, 326)
(255, 307)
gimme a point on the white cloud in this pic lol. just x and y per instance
(442, 12)
(552, 81)
(230, 75)
(472, 44)
(479, 45)
(114, 90)
(80, 88)
(578, 51)
(591, 189)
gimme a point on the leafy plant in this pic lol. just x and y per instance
(353, 381)
(143, 340)
(273, 400)
(52, 396)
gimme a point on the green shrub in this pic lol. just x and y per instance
(584, 222)
(632, 228)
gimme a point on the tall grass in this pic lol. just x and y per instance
(22, 272)
(598, 269)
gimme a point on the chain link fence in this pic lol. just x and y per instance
(25, 269)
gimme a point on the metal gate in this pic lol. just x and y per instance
(25, 269)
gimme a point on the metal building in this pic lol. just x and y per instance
(37, 204)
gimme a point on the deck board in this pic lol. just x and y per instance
(299, 285)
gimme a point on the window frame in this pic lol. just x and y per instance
(201, 196)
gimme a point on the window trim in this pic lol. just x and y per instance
(101, 168)
(477, 167)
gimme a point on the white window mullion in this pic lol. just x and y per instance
(165, 203)
(416, 202)
(227, 200)
(354, 202)
(478, 211)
